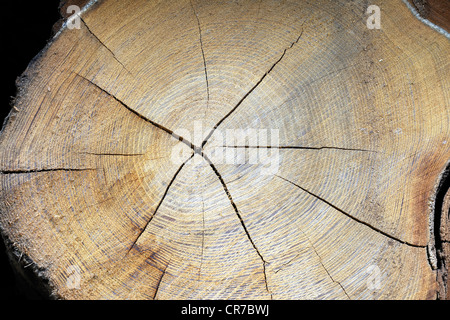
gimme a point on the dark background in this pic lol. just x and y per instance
(26, 30)
(27, 26)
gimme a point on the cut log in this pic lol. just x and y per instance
(232, 150)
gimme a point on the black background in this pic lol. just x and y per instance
(27, 26)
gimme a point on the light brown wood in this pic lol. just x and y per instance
(94, 202)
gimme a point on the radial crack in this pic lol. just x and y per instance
(160, 203)
(286, 264)
(159, 282)
(236, 210)
(251, 90)
(113, 154)
(203, 238)
(203, 53)
(300, 148)
(326, 270)
(155, 124)
(17, 171)
(101, 42)
(352, 217)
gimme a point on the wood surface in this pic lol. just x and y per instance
(94, 206)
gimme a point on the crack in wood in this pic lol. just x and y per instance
(251, 90)
(20, 171)
(286, 264)
(320, 261)
(155, 124)
(115, 154)
(203, 53)
(236, 210)
(203, 238)
(104, 45)
(160, 203)
(323, 266)
(199, 150)
(299, 148)
(159, 282)
(352, 217)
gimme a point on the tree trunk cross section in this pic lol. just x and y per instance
(120, 177)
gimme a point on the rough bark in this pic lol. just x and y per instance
(436, 11)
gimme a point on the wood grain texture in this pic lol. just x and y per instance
(89, 186)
